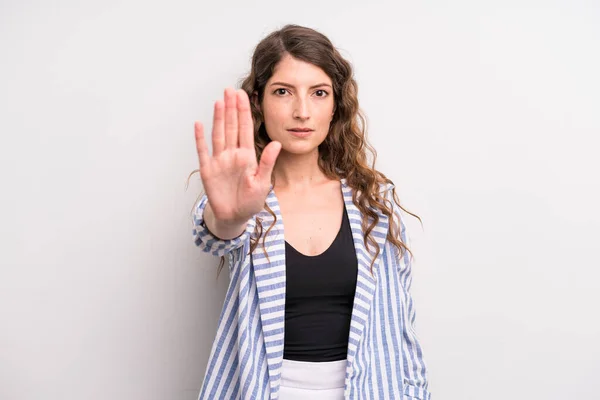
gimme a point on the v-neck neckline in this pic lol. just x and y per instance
(336, 239)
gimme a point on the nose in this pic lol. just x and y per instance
(301, 110)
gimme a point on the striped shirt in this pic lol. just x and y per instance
(385, 359)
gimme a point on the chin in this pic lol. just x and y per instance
(299, 148)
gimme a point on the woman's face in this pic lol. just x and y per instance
(298, 105)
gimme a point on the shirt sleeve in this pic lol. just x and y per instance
(209, 243)
(416, 383)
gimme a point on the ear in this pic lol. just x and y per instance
(254, 99)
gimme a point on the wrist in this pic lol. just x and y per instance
(223, 229)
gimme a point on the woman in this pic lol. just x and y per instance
(324, 311)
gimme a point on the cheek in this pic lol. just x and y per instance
(276, 114)
(326, 116)
(326, 111)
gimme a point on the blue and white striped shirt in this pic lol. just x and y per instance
(385, 359)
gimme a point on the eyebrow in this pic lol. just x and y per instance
(292, 86)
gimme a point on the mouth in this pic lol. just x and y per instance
(300, 132)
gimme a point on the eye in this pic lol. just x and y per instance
(321, 93)
(280, 91)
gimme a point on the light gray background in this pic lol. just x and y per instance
(485, 114)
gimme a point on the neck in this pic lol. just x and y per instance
(298, 171)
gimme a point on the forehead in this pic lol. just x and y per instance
(298, 73)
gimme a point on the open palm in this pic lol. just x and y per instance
(236, 185)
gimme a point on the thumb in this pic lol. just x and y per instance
(267, 162)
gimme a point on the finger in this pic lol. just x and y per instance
(201, 148)
(218, 136)
(245, 120)
(231, 119)
(267, 162)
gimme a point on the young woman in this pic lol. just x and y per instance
(319, 304)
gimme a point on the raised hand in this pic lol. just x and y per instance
(236, 185)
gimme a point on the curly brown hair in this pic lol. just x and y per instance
(343, 153)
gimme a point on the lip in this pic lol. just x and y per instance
(300, 132)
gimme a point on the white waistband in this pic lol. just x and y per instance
(313, 375)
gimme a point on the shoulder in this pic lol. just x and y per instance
(385, 187)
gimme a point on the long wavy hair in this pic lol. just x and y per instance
(344, 152)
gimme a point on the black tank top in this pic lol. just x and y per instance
(319, 298)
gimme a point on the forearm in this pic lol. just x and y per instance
(224, 230)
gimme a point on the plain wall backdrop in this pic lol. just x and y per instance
(484, 114)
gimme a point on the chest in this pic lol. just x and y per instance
(311, 222)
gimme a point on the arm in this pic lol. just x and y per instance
(208, 242)
(232, 177)
(415, 383)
